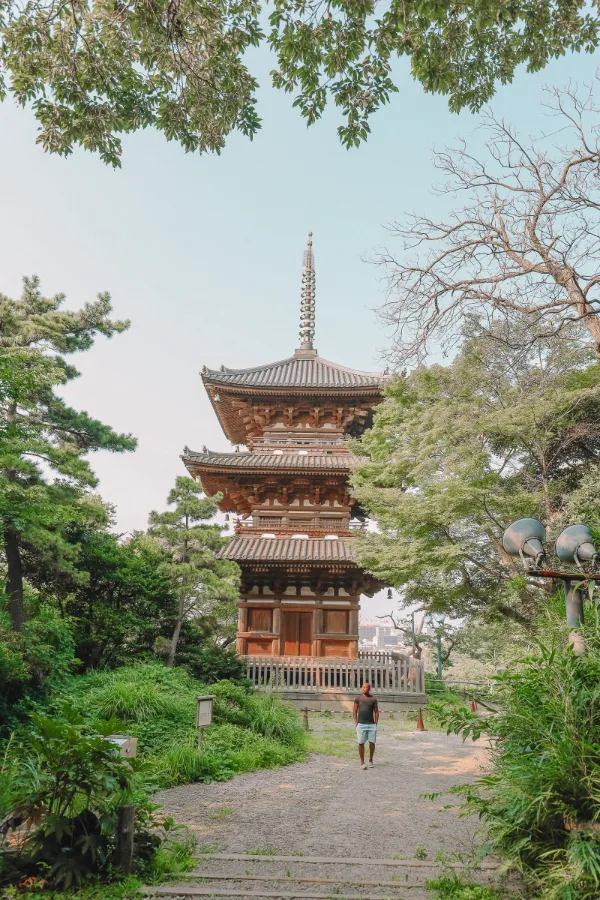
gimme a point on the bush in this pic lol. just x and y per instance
(157, 704)
(210, 663)
(541, 801)
(33, 663)
(69, 783)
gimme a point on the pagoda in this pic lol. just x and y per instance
(290, 490)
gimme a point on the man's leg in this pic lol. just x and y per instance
(371, 751)
(361, 753)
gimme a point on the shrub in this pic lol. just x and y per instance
(33, 663)
(69, 782)
(541, 801)
(158, 705)
(210, 663)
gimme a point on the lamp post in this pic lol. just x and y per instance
(438, 619)
(525, 539)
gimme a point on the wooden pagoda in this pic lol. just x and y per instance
(290, 489)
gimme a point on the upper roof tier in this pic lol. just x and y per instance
(303, 396)
(302, 371)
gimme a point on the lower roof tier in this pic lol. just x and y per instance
(284, 561)
(267, 461)
(255, 549)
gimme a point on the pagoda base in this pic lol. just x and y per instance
(321, 683)
(344, 702)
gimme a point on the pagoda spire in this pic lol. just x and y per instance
(307, 306)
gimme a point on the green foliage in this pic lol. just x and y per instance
(45, 477)
(345, 52)
(453, 887)
(68, 781)
(541, 801)
(456, 453)
(206, 586)
(33, 663)
(157, 704)
(115, 596)
(210, 662)
(174, 857)
(126, 889)
(91, 76)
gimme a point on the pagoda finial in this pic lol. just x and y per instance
(307, 307)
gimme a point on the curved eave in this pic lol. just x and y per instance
(303, 371)
(240, 464)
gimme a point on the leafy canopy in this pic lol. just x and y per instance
(44, 474)
(94, 70)
(457, 453)
(205, 586)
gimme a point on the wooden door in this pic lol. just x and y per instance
(305, 634)
(296, 628)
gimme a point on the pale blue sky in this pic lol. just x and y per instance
(204, 254)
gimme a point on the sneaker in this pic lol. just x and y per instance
(364, 766)
(371, 764)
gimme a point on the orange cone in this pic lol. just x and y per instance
(420, 725)
(474, 705)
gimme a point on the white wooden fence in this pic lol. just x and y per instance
(398, 675)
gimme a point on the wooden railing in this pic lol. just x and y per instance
(400, 675)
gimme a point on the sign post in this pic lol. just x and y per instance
(127, 747)
(204, 708)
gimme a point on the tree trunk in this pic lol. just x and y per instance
(14, 579)
(176, 632)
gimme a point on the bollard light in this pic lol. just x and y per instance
(126, 744)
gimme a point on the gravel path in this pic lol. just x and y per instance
(329, 806)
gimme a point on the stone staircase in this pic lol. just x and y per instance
(242, 876)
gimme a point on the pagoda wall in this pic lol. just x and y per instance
(298, 624)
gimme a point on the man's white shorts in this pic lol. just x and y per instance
(366, 733)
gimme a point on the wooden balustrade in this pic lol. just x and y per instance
(399, 675)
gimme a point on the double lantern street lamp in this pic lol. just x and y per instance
(574, 546)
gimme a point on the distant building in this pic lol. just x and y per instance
(378, 636)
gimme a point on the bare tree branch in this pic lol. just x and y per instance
(525, 245)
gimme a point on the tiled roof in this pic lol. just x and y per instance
(257, 461)
(254, 549)
(301, 370)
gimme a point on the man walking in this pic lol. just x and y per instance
(366, 717)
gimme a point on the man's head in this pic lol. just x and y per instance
(366, 689)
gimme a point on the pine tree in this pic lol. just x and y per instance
(204, 584)
(45, 479)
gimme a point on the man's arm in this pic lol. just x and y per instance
(376, 712)
(355, 712)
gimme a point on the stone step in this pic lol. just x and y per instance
(304, 885)
(328, 873)
(239, 875)
(340, 860)
(328, 892)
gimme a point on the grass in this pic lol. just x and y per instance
(128, 889)
(452, 887)
(157, 704)
(222, 813)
